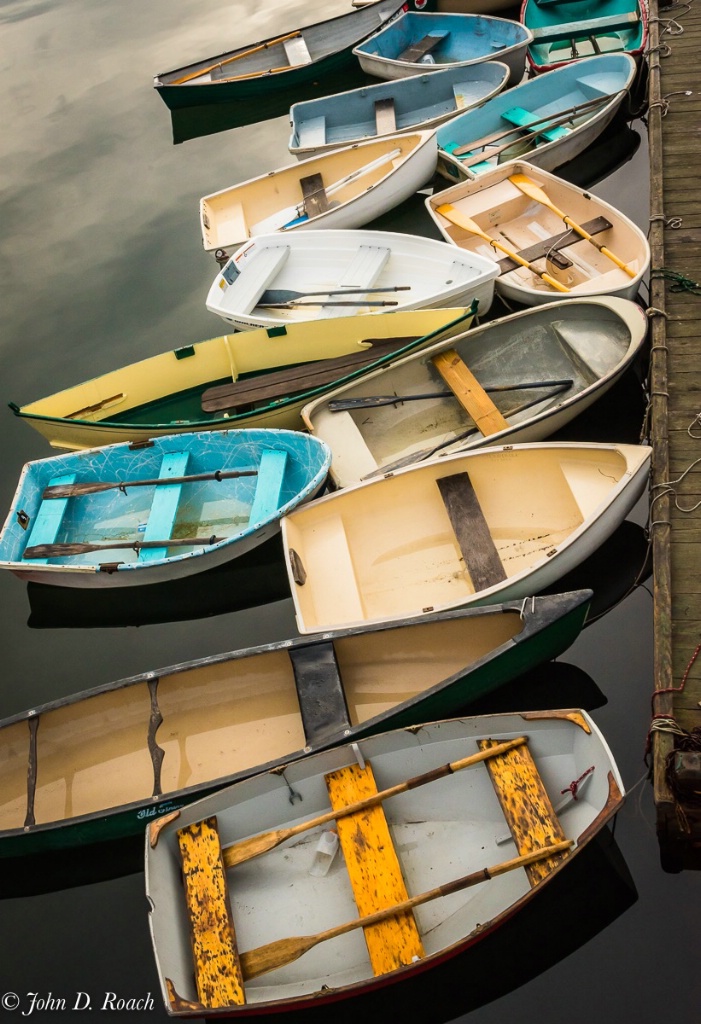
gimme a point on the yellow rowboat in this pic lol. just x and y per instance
(164, 394)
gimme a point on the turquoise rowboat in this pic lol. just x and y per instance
(180, 732)
(568, 30)
(156, 510)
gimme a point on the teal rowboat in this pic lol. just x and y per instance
(567, 30)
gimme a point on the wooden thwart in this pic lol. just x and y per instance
(553, 244)
(419, 49)
(471, 530)
(385, 116)
(314, 195)
(217, 967)
(469, 392)
(526, 805)
(374, 871)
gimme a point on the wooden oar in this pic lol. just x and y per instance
(289, 295)
(332, 302)
(534, 191)
(373, 401)
(292, 214)
(246, 849)
(79, 548)
(74, 490)
(276, 954)
(236, 56)
(547, 121)
(454, 215)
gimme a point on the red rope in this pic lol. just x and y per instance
(574, 786)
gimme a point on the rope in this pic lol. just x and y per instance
(574, 786)
(681, 283)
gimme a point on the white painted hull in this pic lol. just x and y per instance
(517, 221)
(378, 175)
(393, 549)
(591, 343)
(440, 831)
(424, 268)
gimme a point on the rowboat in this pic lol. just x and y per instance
(471, 528)
(345, 188)
(558, 238)
(258, 378)
(414, 42)
(162, 509)
(278, 63)
(567, 30)
(420, 102)
(333, 271)
(251, 710)
(445, 832)
(449, 6)
(521, 378)
(548, 120)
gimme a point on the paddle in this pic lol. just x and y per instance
(276, 954)
(79, 548)
(534, 191)
(289, 295)
(74, 490)
(331, 302)
(454, 215)
(293, 214)
(246, 849)
(426, 453)
(373, 401)
(547, 121)
(236, 56)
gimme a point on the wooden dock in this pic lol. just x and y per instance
(675, 426)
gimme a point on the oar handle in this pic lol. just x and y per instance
(67, 549)
(94, 487)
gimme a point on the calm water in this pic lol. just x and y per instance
(102, 264)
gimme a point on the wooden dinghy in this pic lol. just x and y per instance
(258, 378)
(156, 510)
(419, 102)
(415, 42)
(559, 240)
(442, 833)
(345, 188)
(567, 30)
(285, 61)
(518, 379)
(548, 120)
(334, 272)
(104, 762)
(471, 528)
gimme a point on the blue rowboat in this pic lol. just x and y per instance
(162, 509)
(294, 57)
(547, 120)
(414, 43)
(420, 102)
(567, 30)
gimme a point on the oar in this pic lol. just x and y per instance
(454, 215)
(373, 401)
(236, 56)
(255, 845)
(65, 549)
(289, 295)
(547, 121)
(73, 490)
(292, 214)
(276, 954)
(534, 191)
(331, 302)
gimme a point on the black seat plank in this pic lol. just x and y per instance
(315, 199)
(471, 530)
(553, 244)
(322, 699)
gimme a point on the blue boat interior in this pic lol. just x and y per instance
(443, 39)
(565, 30)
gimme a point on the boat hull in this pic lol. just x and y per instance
(440, 833)
(562, 35)
(480, 650)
